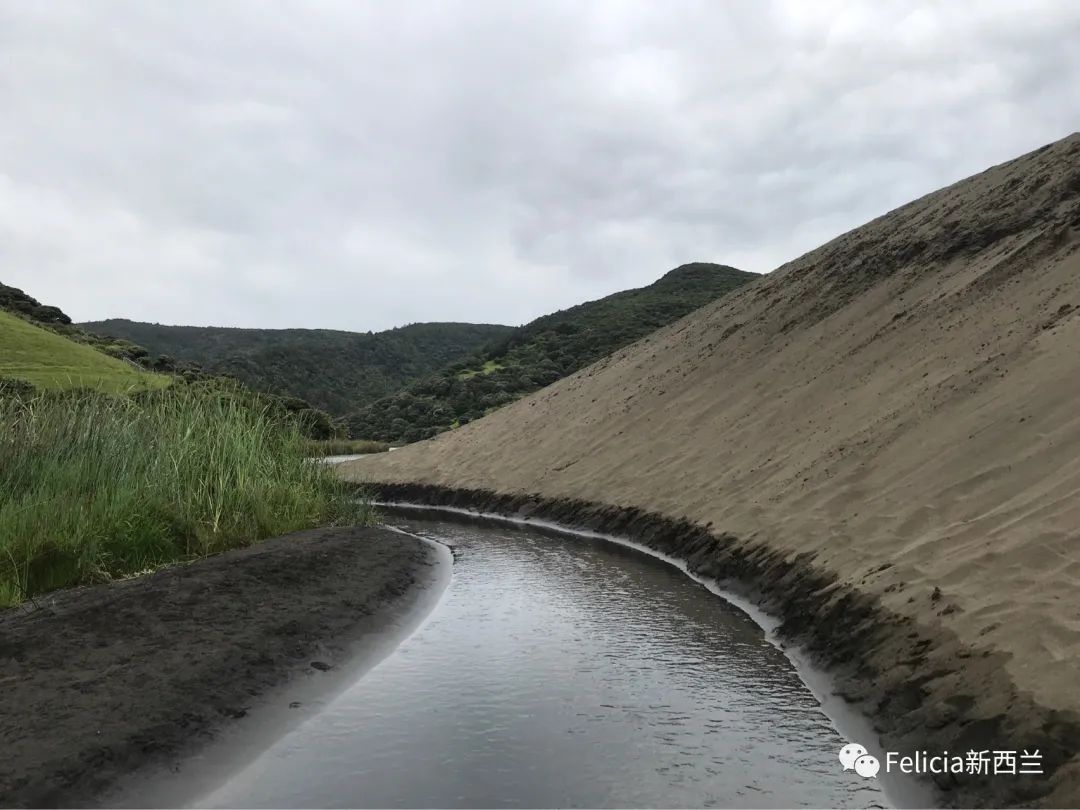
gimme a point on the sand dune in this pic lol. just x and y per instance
(908, 393)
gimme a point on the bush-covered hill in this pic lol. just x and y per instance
(540, 353)
(12, 299)
(333, 370)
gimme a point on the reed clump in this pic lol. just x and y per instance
(94, 487)
(345, 447)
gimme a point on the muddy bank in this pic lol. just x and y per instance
(99, 682)
(923, 689)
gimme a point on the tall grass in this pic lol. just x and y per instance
(94, 487)
(344, 447)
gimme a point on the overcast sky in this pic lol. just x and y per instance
(359, 165)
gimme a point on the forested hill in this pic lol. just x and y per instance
(540, 353)
(333, 370)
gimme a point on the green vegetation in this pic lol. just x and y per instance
(540, 353)
(94, 486)
(42, 347)
(29, 309)
(487, 368)
(108, 470)
(335, 371)
(50, 361)
(15, 300)
(345, 447)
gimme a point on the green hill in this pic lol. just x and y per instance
(540, 353)
(50, 361)
(333, 370)
(14, 300)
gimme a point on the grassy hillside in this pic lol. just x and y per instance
(884, 437)
(28, 308)
(333, 370)
(540, 353)
(50, 361)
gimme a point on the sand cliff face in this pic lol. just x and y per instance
(900, 407)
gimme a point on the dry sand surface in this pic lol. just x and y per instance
(96, 683)
(901, 407)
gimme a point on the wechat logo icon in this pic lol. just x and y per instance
(855, 758)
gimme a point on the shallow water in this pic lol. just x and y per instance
(348, 457)
(563, 672)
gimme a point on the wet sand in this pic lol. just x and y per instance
(565, 671)
(99, 683)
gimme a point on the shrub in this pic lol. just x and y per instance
(11, 387)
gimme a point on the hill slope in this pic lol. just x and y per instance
(541, 352)
(896, 413)
(15, 300)
(333, 370)
(48, 360)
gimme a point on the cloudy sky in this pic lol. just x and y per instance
(360, 165)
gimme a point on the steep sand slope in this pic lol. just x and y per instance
(907, 394)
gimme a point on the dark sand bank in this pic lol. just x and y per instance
(97, 683)
(919, 685)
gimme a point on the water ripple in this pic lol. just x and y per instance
(564, 673)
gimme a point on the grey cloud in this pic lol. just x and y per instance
(362, 165)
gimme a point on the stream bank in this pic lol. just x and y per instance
(921, 687)
(98, 684)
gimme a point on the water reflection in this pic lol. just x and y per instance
(564, 672)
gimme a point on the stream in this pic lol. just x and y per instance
(563, 672)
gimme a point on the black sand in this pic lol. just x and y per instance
(98, 682)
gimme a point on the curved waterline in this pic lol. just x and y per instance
(274, 715)
(558, 673)
(899, 790)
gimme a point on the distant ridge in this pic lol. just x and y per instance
(541, 352)
(333, 370)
